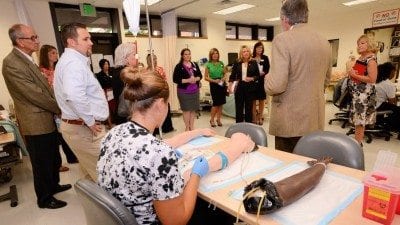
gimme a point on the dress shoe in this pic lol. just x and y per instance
(73, 161)
(61, 188)
(53, 203)
(63, 169)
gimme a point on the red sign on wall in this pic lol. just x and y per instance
(384, 18)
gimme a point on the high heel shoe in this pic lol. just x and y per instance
(212, 124)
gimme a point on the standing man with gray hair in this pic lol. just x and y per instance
(35, 106)
(300, 71)
(81, 99)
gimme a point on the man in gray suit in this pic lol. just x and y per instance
(300, 71)
(35, 107)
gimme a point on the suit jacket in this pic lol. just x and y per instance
(300, 71)
(252, 71)
(34, 100)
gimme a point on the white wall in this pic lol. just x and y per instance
(346, 28)
(39, 14)
(7, 18)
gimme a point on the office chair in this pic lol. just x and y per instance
(100, 207)
(341, 99)
(379, 129)
(257, 133)
(9, 156)
(344, 150)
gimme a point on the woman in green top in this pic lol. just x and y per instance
(215, 74)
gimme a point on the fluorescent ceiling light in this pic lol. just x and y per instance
(234, 9)
(150, 2)
(273, 19)
(357, 2)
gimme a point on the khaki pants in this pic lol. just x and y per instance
(84, 144)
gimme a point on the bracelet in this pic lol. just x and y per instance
(224, 160)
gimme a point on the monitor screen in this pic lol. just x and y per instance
(232, 58)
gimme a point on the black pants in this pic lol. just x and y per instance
(167, 124)
(243, 100)
(69, 154)
(46, 161)
(286, 144)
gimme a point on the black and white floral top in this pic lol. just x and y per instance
(137, 168)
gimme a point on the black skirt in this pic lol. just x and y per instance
(218, 94)
(260, 91)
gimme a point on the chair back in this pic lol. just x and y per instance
(100, 207)
(343, 149)
(257, 133)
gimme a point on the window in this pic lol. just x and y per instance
(230, 32)
(248, 32)
(244, 33)
(101, 23)
(189, 27)
(104, 26)
(155, 26)
(262, 34)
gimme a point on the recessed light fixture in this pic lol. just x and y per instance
(234, 9)
(150, 2)
(273, 19)
(357, 2)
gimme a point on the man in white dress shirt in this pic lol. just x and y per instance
(80, 98)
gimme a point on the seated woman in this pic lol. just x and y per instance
(386, 94)
(141, 170)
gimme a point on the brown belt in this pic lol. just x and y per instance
(75, 122)
(80, 122)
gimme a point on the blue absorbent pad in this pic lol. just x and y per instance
(333, 194)
(246, 165)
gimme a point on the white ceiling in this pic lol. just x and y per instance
(319, 9)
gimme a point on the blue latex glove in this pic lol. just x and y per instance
(200, 166)
(178, 154)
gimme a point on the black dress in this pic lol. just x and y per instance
(260, 90)
(118, 87)
(217, 91)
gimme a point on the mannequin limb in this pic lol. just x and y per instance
(232, 149)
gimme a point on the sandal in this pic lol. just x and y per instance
(219, 123)
(63, 169)
(212, 124)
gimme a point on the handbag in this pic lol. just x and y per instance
(123, 106)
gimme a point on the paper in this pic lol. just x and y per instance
(233, 87)
(196, 147)
(110, 59)
(333, 194)
(95, 62)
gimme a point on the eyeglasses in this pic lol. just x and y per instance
(32, 38)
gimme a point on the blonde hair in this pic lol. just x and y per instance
(372, 46)
(122, 52)
(240, 59)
